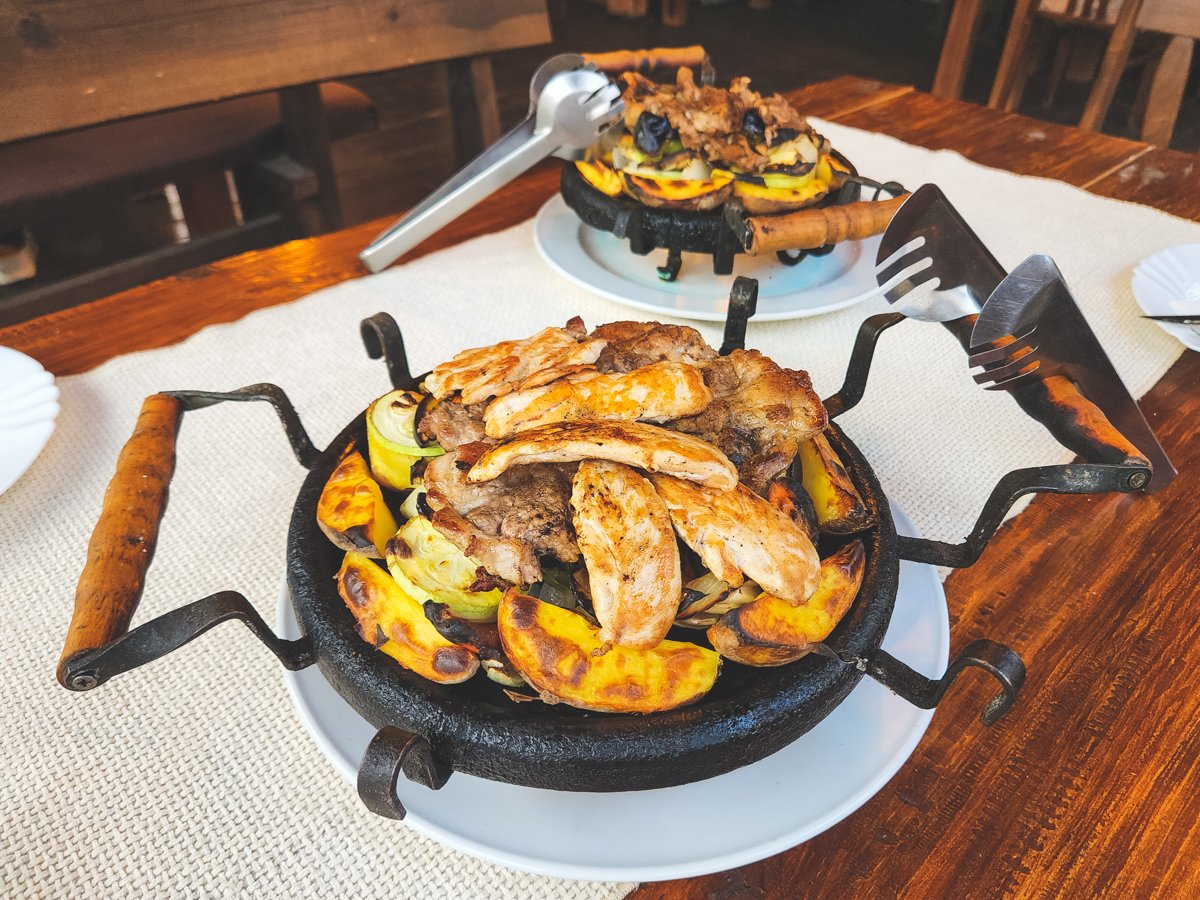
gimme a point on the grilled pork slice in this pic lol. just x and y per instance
(739, 535)
(759, 415)
(626, 539)
(498, 369)
(453, 424)
(631, 345)
(505, 523)
(644, 446)
(655, 393)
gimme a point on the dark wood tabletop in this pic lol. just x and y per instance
(1091, 785)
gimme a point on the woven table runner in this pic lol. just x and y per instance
(193, 777)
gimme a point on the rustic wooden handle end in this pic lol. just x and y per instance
(646, 61)
(123, 540)
(808, 229)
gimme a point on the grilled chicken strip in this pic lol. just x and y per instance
(740, 535)
(644, 446)
(759, 415)
(654, 393)
(505, 523)
(628, 544)
(498, 369)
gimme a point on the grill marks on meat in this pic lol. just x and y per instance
(655, 393)
(759, 415)
(631, 345)
(627, 541)
(644, 446)
(739, 535)
(498, 369)
(506, 522)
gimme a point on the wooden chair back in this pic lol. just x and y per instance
(69, 65)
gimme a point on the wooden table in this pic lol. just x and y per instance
(1091, 785)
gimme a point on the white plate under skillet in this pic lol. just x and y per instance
(602, 263)
(28, 408)
(709, 826)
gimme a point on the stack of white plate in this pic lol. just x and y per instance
(1168, 284)
(28, 408)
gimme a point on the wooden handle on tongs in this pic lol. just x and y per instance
(123, 540)
(646, 61)
(808, 229)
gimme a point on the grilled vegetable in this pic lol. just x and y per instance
(701, 593)
(351, 510)
(771, 632)
(560, 654)
(840, 509)
(601, 176)
(392, 620)
(706, 618)
(482, 637)
(392, 439)
(412, 503)
(664, 191)
(429, 567)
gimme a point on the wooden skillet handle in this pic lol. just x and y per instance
(646, 61)
(123, 540)
(808, 229)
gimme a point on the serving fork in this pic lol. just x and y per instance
(1032, 328)
(932, 266)
(571, 104)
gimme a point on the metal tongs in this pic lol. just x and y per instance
(571, 104)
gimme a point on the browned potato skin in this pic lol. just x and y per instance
(561, 655)
(700, 196)
(396, 624)
(772, 632)
(840, 509)
(351, 510)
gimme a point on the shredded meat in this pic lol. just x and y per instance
(631, 345)
(710, 120)
(453, 424)
(506, 522)
(759, 415)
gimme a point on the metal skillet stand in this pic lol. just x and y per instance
(754, 713)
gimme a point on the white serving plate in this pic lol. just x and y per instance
(709, 826)
(1168, 284)
(28, 409)
(602, 263)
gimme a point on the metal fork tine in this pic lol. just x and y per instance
(906, 256)
(994, 352)
(1009, 382)
(1003, 374)
(912, 292)
(989, 358)
(906, 279)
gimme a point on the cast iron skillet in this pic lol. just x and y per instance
(429, 730)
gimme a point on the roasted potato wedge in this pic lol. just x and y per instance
(351, 510)
(840, 509)
(561, 655)
(391, 620)
(692, 194)
(772, 632)
(601, 176)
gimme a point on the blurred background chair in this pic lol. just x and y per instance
(138, 139)
(1097, 41)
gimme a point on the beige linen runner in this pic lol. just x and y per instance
(193, 776)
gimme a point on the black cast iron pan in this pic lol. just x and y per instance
(428, 730)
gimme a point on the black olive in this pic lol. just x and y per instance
(784, 134)
(752, 124)
(651, 132)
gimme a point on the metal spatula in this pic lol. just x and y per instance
(571, 106)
